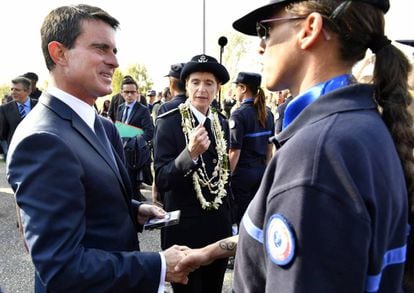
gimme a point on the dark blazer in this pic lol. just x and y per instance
(173, 173)
(174, 103)
(139, 117)
(10, 118)
(75, 204)
(197, 227)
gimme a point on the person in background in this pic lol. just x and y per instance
(35, 91)
(177, 89)
(155, 106)
(116, 100)
(191, 170)
(105, 108)
(151, 94)
(228, 103)
(71, 187)
(132, 112)
(13, 112)
(166, 95)
(280, 111)
(251, 126)
(335, 205)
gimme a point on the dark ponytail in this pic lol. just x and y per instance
(392, 95)
(260, 104)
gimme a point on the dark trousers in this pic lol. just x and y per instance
(206, 279)
(244, 185)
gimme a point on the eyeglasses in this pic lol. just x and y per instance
(129, 92)
(263, 26)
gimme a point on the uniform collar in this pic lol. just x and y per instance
(248, 101)
(350, 98)
(296, 106)
(200, 116)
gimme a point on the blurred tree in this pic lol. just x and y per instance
(140, 73)
(4, 91)
(116, 81)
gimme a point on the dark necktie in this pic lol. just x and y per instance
(22, 111)
(103, 139)
(207, 126)
(125, 117)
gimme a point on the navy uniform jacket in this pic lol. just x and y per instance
(139, 117)
(76, 208)
(170, 105)
(10, 118)
(331, 212)
(173, 176)
(249, 136)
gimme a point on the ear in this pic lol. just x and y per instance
(57, 52)
(311, 30)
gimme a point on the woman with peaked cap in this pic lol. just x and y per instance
(192, 169)
(333, 210)
(251, 126)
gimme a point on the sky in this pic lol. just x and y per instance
(156, 33)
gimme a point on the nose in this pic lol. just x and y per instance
(113, 60)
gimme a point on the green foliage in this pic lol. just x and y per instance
(140, 73)
(4, 90)
(116, 81)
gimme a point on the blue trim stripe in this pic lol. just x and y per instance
(255, 232)
(256, 134)
(392, 256)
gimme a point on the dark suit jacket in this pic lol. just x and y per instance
(75, 205)
(10, 118)
(173, 176)
(139, 117)
(174, 103)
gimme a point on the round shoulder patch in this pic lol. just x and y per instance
(280, 240)
(232, 124)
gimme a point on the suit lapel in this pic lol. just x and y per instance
(133, 111)
(84, 130)
(119, 112)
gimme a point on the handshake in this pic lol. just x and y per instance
(182, 260)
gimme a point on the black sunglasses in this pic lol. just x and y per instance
(263, 26)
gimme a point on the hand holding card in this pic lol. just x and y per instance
(170, 218)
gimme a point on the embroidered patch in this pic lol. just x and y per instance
(232, 124)
(280, 240)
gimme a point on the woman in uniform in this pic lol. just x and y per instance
(251, 126)
(334, 209)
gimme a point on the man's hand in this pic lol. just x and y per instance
(193, 260)
(147, 211)
(198, 142)
(172, 256)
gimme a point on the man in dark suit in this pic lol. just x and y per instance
(72, 189)
(13, 112)
(192, 171)
(132, 112)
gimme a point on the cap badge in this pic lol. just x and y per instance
(280, 240)
(202, 59)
